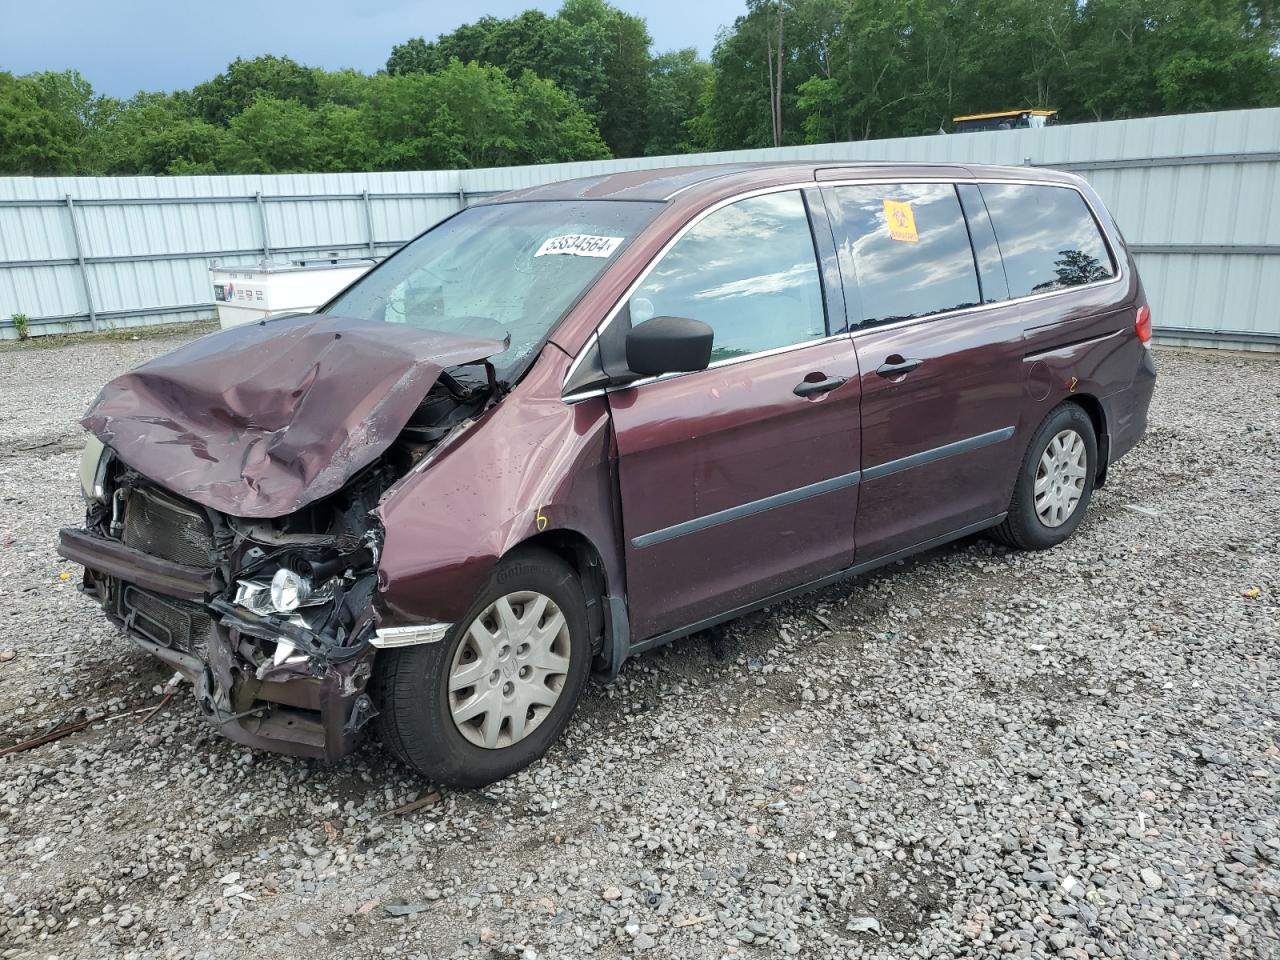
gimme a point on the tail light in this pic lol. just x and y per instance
(1142, 325)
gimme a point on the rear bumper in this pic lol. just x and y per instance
(297, 710)
(1126, 410)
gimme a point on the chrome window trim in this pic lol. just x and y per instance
(1113, 247)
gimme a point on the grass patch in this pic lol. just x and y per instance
(160, 331)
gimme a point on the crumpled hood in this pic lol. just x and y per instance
(260, 420)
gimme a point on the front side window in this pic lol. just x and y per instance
(905, 249)
(747, 270)
(498, 270)
(1048, 238)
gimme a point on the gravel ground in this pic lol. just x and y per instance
(978, 753)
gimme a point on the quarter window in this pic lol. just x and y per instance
(905, 248)
(749, 271)
(1048, 238)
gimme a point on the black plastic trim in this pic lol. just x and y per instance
(745, 510)
(617, 641)
(937, 453)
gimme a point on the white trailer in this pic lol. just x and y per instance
(249, 294)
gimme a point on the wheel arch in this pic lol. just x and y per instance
(606, 610)
(1098, 417)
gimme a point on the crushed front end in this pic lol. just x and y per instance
(252, 569)
(270, 620)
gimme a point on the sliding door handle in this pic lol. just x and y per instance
(806, 388)
(896, 366)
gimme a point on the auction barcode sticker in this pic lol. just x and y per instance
(579, 245)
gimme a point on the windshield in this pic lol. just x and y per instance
(500, 270)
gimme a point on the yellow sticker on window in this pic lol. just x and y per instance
(902, 222)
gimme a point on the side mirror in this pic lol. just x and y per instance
(669, 345)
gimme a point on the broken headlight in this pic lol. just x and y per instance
(284, 593)
(93, 469)
(290, 590)
(255, 596)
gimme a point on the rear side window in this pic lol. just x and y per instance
(1048, 238)
(905, 248)
(748, 270)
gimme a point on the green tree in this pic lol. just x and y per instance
(878, 68)
(186, 146)
(613, 46)
(232, 91)
(1138, 57)
(553, 126)
(590, 49)
(139, 136)
(678, 81)
(43, 122)
(746, 93)
(271, 136)
(471, 115)
(346, 88)
(343, 141)
(415, 55)
(473, 121)
(737, 113)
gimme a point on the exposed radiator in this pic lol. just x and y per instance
(165, 527)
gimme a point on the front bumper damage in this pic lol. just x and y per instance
(287, 684)
(255, 454)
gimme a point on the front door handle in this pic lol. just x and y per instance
(896, 366)
(807, 388)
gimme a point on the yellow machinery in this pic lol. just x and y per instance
(1005, 120)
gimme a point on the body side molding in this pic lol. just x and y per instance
(746, 510)
(937, 453)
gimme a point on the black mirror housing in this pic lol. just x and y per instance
(669, 345)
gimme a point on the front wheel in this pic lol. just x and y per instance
(490, 698)
(1055, 482)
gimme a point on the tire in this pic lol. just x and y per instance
(412, 684)
(1029, 526)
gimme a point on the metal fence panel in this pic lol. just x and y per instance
(1197, 196)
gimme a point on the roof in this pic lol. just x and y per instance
(1005, 113)
(655, 183)
(696, 183)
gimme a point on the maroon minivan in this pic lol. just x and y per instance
(581, 420)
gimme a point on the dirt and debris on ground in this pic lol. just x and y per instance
(978, 753)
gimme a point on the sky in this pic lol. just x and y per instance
(123, 46)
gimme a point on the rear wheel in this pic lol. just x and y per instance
(490, 698)
(1054, 483)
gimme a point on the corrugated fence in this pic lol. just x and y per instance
(1197, 196)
